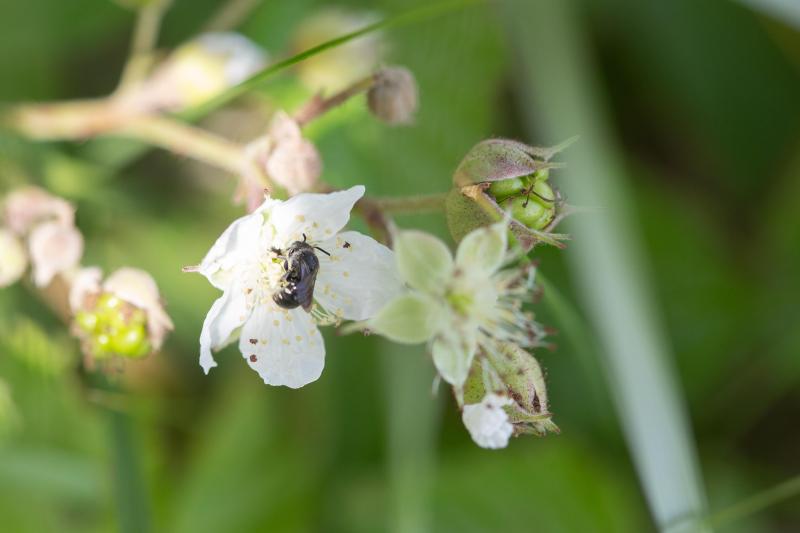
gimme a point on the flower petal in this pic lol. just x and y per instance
(318, 216)
(13, 258)
(227, 314)
(54, 248)
(423, 261)
(487, 421)
(453, 353)
(411, 318)
(237, 243)
(358, 278)
(283, 346)
(482, 250)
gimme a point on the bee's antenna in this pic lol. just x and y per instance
(321, 250)
(304, 237)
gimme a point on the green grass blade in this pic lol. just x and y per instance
(606, 259)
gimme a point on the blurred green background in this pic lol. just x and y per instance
(704, 97)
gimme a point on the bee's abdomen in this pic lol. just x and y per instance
(286, 298)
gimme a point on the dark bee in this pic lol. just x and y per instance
(300, 267)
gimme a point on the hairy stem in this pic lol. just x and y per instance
(318, 106)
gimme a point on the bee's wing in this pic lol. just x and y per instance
(305, 287)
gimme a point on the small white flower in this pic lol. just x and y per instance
(487, 421)
(28, 206)
(285, 346)
(13, 258)
(54, 248)
(459, 305)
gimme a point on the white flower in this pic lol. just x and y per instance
(13, 259)
(54, 248)
(28, 206)
(487, 421)
(285, 346)
(459, 305)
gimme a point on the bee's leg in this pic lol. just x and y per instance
(321, 250)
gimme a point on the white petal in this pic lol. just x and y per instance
(318, 216)
(487, 421)
(54, 248)
(358, 278)
(238, 242)
(284, 346)
(227, 314)
(482, 250)
(453, 353)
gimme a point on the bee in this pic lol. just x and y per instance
(300, 267)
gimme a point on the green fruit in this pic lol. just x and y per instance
(540, 175)
(87, 321)
(129, 341)
(545, 193)
(502, 189)
(530, 211)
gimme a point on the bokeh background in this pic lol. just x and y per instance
(699, 102)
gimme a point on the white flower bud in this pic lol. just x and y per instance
(487, 421)
(139, 288)
(393, 98)
(201, 69)
(13, 259)
(54, 248)
(343, 65)
(25, 207)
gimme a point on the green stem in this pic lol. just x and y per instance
(318, 106)
(230, 15)
(758, 502)
(132, 506)
(145, 37)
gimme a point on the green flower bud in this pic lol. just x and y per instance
(87, 321)
(500, 190)
(131, 341)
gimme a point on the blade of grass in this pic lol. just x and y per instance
(786, 10)
(756, 503)
(606, 258)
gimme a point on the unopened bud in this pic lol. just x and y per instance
(393, 97)
(13, 259)
(200, 69)
(54, 248)
(343, 65)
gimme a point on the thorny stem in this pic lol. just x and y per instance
(318, 106)
(143, 42)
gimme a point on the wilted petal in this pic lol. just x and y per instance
(54, 248)
(359, 277)
(25, 207)
(411, 318)
(453, 352)
(295, 165)
(283, 346)
(423, 261)
(317, 216)
(487, 421)
(85, 282)
(226, 315)
(13, 258)
(482, 250)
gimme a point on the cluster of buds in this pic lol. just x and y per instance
(120, 317)
(500, 177)
(39, 229)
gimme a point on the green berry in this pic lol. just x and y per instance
(87, 321)
(540, 175)
(502, 189)
(530, 211)
(129, 341)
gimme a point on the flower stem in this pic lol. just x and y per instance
(423, 203)
(318, 106)
(132, 507)
(145, 36)
(230, 15)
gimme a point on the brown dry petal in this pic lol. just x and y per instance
(139, 288)
(25, 207)
(54, 248)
